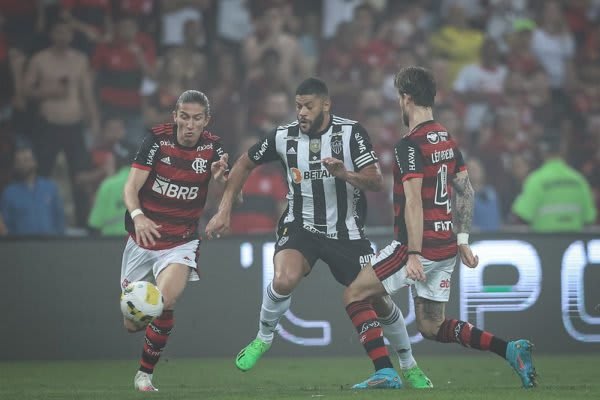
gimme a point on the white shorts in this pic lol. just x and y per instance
(141, 264)
(389, 263)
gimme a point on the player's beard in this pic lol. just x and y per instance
(316, 124)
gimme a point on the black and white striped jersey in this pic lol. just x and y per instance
(318, 201)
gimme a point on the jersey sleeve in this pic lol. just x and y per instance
(264, 151)
(361, 148)
(409, 160)
(146, 156)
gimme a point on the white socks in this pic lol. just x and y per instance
(394, 329)
(273, 307)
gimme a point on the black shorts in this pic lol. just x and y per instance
(345, 258)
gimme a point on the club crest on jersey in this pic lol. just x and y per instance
(336, 146)
(199, 165)
(315, 145)
(433, 137)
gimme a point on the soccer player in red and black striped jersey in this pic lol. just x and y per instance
(165, 196)
(429, 168)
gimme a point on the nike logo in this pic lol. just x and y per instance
(376, 382)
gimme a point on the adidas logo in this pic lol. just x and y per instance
(166, 160)
(291, 151)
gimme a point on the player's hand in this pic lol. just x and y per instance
(218, 168)
(467, 256)
(414, 268)
(145, 230)
(335, 167)
(218, 225)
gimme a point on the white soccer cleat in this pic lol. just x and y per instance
(143, 382)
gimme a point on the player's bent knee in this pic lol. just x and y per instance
(284, 284)
(352, 294)
(383, 305)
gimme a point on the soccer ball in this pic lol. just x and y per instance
(141, 302)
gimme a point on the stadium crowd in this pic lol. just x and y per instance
(82, 80)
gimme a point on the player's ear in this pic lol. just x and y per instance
(174, 115)
(326, 104)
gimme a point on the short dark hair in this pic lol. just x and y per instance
(312, 86)
(193, 96)
(417, 82)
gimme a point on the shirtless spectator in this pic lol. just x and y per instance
(58, 79)
(269, 34)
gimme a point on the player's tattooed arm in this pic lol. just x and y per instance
(464, 198)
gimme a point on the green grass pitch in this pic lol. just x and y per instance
(481, 376)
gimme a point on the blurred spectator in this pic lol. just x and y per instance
(554, 46)
(157, 106)
(336, 12)
(233, 20)
(174, 15)
(58, 79)
(500, 143)
(90, 20)
(103, 156)
(269, 34)
(227, 107)
(456, 41)
(19, 22)
(520, 168)
(109, 209)
(264, 197)
(480, 86)
(277, 111)
(31, 205)
(591, 164)
(555, 197)
(486, 211)
(339, 69)
(146, 13)
(264, 81)
(520, 57)
(121, 66)
(502, 16)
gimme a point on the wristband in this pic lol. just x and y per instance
(462, 238)
(414, 252)
(136, 212)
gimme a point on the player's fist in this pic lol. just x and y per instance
(467, 256)
(335, 167)
(218, 168)
(218, 225)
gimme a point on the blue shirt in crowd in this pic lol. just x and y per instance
(486, 211)
(36, 210)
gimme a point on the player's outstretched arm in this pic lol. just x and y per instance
(219, 223)
(368, 178)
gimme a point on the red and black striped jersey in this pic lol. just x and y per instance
(175, 192)
(428, 152)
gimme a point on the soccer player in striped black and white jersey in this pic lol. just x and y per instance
(329, 162)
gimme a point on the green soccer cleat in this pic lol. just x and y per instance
(249, 355)
(416, 378)
(518, 355)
